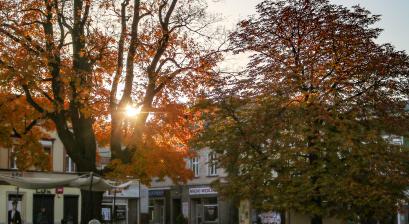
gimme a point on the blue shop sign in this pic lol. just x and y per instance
(156, 193)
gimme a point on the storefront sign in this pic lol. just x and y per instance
(201, 190)
(156, 193)
(59, 190)
(43, 191)
(270, 218)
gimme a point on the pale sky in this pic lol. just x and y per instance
(395, 16)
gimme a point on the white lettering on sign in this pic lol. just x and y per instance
(201, 190)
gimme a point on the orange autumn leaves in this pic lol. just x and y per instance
(21, 129)
(163, 148)
(65, 64)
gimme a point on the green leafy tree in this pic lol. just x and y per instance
(308, 125)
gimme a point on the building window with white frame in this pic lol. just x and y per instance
(12, 159)
(49, 152)
(69, 164)
(194, 165)
(211, 164)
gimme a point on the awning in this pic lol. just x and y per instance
(82, 182)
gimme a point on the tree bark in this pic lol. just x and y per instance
(90, 206)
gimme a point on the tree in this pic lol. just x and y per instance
(20, 130)
(71, 59)
(306, 127)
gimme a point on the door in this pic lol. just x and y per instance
(43, 208)
(71, 209)
(133, 211)
(177, 211)
(196, 214)
(199, 213)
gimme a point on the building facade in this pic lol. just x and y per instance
(64, 204)
(121, 206)
(59, 204)
(195, 202)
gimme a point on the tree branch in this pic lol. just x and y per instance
(31, 101)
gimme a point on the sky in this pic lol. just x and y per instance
(394, 20)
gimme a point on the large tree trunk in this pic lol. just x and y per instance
(90, 206)
(81, 146)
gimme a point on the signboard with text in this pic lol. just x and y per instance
(201, 190)
(59, 190)
(156, 193)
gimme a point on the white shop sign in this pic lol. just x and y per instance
(201, 190)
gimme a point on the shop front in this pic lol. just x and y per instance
(159, 206)
(121, 205)
(50, 205)
(204, 205)
(249, 215)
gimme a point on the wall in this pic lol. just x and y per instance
(4, 154)
(27, 203)
(203, 177)
(58, 154)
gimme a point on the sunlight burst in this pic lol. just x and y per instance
(132, 111)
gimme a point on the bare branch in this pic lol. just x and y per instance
(121, 44)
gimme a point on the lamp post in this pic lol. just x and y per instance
(114, 208)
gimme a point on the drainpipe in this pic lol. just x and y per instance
(114, 210)
(91, 196)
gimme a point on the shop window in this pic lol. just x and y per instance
(120, 213)
(156, 211)
(151, 208)
(14, 202)
(106, 213)
(194, 165)
(210, 210)
(211, 164)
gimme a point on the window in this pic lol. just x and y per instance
(211, 164)
(69, 164)
(48, 151)
(210, 210)
(12, 159)
(194, 165)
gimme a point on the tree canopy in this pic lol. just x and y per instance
(79, 64)
(307, 125)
